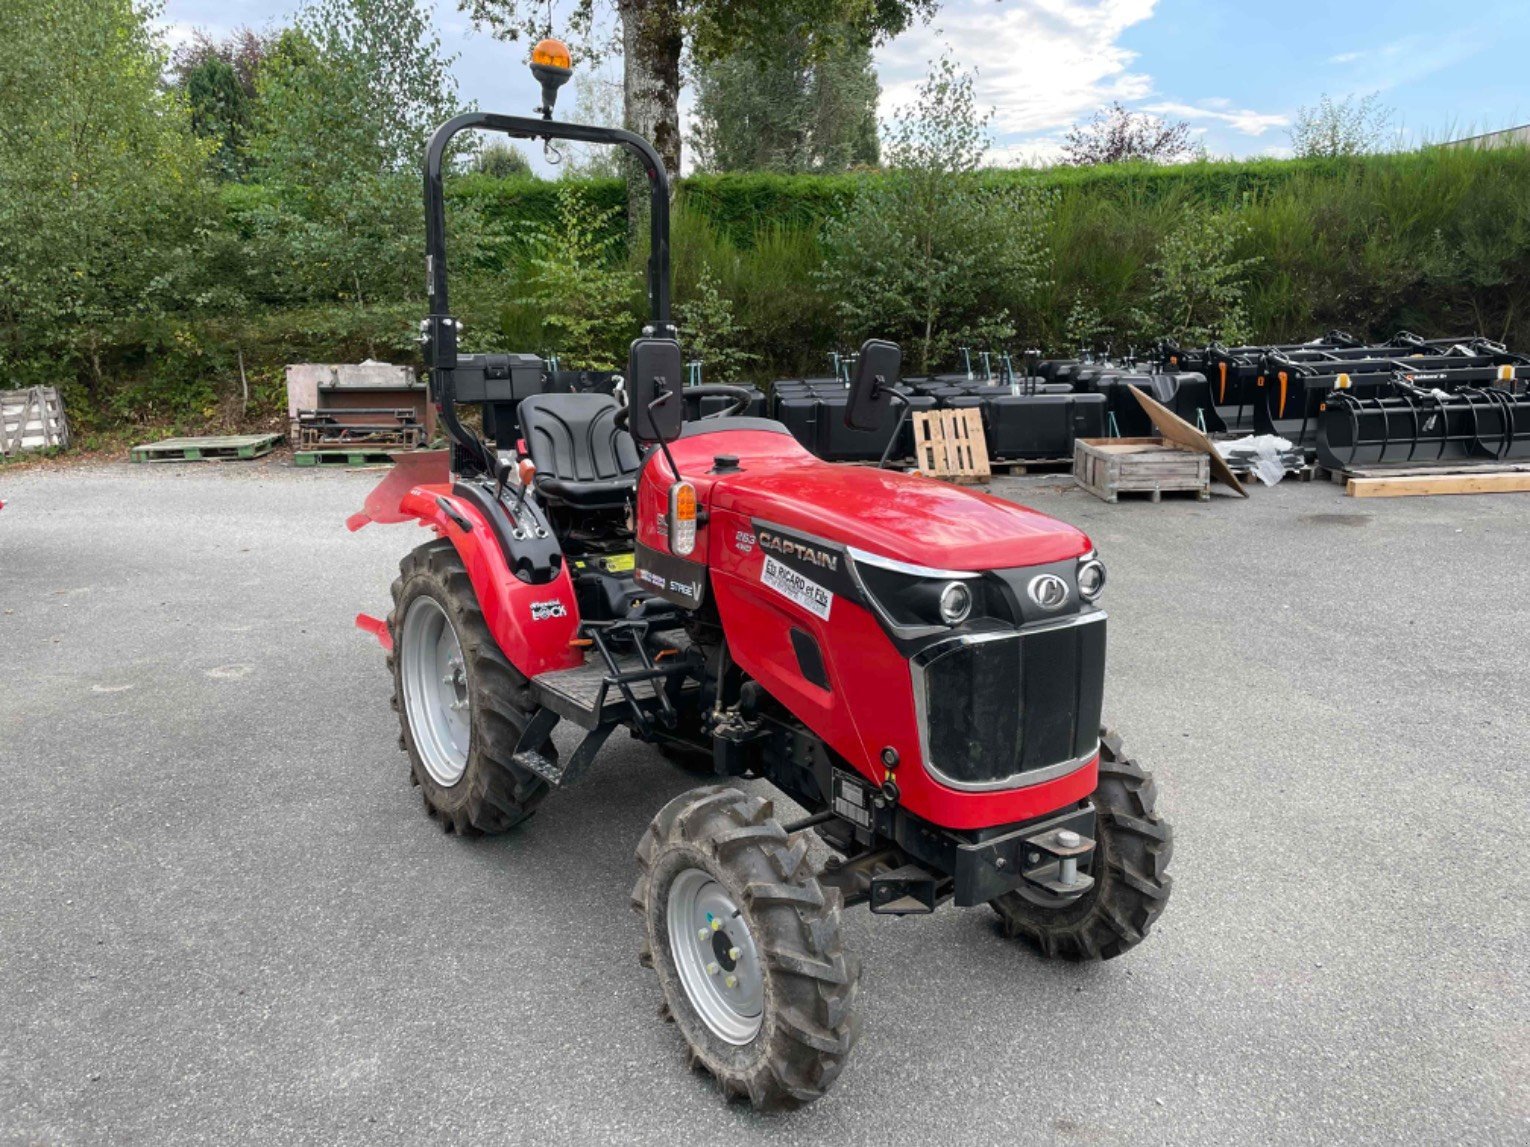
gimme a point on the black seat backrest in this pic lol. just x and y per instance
(574, 438)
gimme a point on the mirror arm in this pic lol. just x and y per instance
(897, 426)
(664, 397)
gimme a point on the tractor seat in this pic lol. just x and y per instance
(582, 457)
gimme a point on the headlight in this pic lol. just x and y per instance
(915, 598)
(1091, 578)
(955, 603)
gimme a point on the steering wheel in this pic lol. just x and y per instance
(742, 397)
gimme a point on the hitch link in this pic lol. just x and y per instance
(1051, 862)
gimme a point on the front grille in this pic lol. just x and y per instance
(1007, 710)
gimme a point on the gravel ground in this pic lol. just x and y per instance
(225, 918)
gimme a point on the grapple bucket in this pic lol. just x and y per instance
(1294, 394)
(1470, 424)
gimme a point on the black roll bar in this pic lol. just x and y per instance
(439, 330)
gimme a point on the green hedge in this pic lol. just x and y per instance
(742, 205)
(1437, 241)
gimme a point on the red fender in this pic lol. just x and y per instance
(536, 640)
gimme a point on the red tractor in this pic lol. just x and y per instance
(918, 666)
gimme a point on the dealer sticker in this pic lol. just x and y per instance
(797, 587)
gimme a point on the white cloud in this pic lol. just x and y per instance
(1045, 65)
(1041, 64)
(1243, 120)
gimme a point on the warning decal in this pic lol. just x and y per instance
(797, 587)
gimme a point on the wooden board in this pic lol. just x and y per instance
(1110, 467)
(1425, 470)
(1176, 429)
(950, 444)
(32, 419)
(1419, 485)
(215, 448)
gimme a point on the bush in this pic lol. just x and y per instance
(579, 295)
(927, 254)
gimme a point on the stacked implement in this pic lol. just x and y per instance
(1033, 417)
(355, 413)
(1408, 401)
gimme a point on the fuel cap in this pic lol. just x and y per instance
(725, 464)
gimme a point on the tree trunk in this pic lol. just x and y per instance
(651, 43)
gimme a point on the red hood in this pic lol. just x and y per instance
(901, 516)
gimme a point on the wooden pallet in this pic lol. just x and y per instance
(32, 419)
(950, 445)
(1110, 467)
(217, 448)
(1016, 466)
(347, 457)
(1304, 473)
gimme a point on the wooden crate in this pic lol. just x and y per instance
(32, 419)
(950, 444)
(1110, 467)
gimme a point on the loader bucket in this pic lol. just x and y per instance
(1469, 425)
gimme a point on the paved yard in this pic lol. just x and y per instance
(225, 918)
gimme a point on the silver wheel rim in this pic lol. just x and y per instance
(716, 957)
(435, 691)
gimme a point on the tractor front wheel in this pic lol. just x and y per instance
(461, 704)
(747, 948)
(1131, 880)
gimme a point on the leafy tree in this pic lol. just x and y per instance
(1116, 135)
(220, 112)
(1338, 128)
(578, 290)
(503, 161)
(243, 49)
(710, 332)
(1084, 326)
(1198, 282)
(655, 33)
(773, 106)
(597, 101)
(347, 100)
(102, 199)
(926, 253)
(218, 78)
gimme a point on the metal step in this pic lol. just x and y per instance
(583, 696)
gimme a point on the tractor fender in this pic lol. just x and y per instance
(534, 625)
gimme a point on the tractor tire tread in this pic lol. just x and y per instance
(494, 794)
(812, 986)
(1132, 885)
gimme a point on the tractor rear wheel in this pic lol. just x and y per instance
(1131, 881)
(747, 948)
(461, 704)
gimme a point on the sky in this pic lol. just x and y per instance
(1236, 71)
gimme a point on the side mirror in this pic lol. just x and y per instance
(876, 373)
(655, 374)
